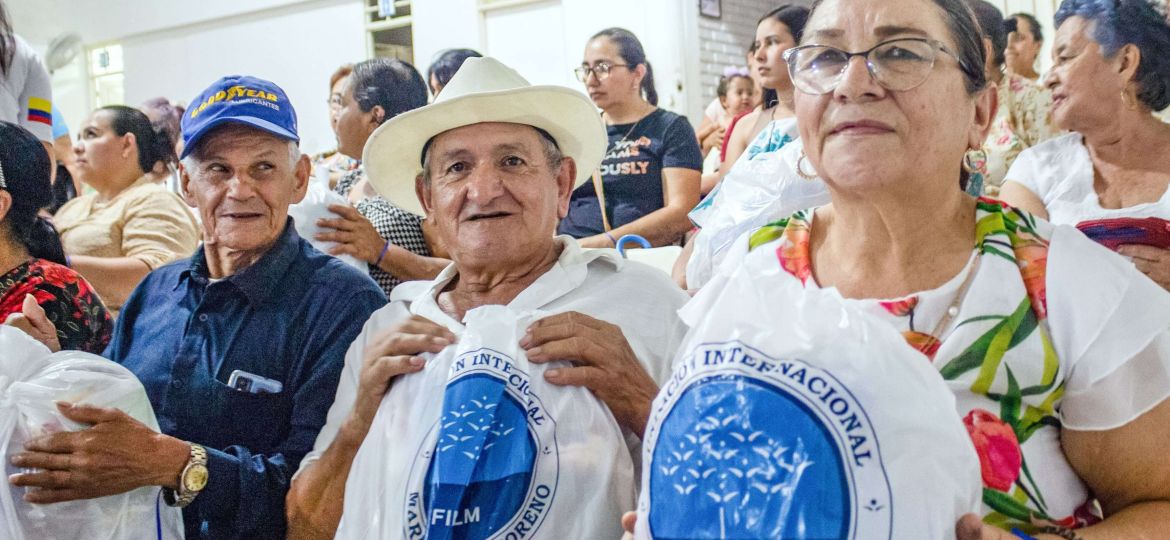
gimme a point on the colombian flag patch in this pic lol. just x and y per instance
(40, 110)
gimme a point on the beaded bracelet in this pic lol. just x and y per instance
(1067, 534)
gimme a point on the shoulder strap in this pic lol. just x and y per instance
(600, 190)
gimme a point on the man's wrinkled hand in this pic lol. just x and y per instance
(393, 352)
(602, 361)
(115, 455)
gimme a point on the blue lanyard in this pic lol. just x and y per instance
(158, 515)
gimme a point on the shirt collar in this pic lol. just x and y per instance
(569, 272)
(258, 282)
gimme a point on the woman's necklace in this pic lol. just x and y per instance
(626, 138)
(953, 309)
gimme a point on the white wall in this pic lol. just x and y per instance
(544, 40)
(444, 24)
(176, 48)
(724, 41)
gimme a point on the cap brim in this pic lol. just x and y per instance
(392, 154)
(192, 141)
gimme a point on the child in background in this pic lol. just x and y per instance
(737, 94)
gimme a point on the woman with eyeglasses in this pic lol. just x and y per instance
(1111, 175)
(32, 271)
(649, 178)
(1062, 386)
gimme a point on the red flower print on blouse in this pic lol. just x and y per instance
(998, 448)
(900, 308)
(793, 254)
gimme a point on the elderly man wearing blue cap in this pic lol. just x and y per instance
(240, 347)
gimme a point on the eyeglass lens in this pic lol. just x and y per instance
(601, 71)
(896, 65)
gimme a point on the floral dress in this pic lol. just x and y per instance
(1022, 120)
(82, 322)
(1000, 357)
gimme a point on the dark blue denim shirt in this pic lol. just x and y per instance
(289, 317)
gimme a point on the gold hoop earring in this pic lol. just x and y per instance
(1129, 100)
(800, 167)
(975, 160)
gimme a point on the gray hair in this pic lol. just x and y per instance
(552, 154)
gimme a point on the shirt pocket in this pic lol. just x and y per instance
(258, 422)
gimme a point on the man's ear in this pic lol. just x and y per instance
(422, 190)
(566, 179)
(185, 185)
(304, 169)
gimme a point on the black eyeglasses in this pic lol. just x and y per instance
(601, 71)
(897, 65)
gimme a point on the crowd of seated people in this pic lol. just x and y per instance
(925, 126)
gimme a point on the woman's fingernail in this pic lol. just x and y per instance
(535, 351)
(417, 361)
(552, 374)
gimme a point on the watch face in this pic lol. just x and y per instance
(195, 479)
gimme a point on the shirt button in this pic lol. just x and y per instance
(177, 383)
(202, 317)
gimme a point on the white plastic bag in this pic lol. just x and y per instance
(793, 414)
(316, 206)
(479, 446)
(754, 193)
(31, 381)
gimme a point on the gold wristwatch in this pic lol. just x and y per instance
(191, 481)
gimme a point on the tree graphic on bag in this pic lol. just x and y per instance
(729, 462)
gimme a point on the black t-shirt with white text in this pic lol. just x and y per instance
(631, 172)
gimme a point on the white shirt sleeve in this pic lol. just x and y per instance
(1025, 171)
(36, 95)
(1110, 326)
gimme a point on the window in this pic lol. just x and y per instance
(388, 29)
(106, 79)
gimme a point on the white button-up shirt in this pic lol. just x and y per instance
(640, 300)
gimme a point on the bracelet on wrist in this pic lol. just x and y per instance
(382, 255)
(612, 240)
(1067, 534)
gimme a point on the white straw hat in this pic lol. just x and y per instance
(483, 90)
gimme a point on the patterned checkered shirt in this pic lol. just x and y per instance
(400, 227)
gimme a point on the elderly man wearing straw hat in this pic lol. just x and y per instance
(499, 159)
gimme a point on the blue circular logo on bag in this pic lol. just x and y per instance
(744, 446)
(488, 468)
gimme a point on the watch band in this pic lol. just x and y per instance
(191, 481)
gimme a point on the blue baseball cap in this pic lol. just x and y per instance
(241, 99)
